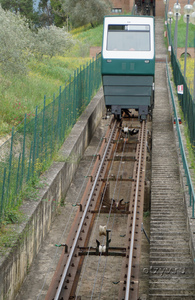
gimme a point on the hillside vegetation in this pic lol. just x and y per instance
(189, 71)
(20, 94)
(181, 37)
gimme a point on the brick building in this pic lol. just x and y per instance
(124, 6)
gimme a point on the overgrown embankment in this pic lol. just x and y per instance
(21, 93)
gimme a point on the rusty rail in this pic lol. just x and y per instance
(64, 282)
(56, 286)
(83, 218)
(129, 278)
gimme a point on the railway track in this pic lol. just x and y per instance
(91, 273)
(115, 189)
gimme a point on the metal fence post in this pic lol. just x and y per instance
(43, 125)
(34, 144)
(18, 174)
(59, 116)
(2, 195)
(10, 164)
(23, 153)
(52, 125)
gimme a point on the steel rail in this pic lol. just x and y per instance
(83, 218)
(99, 210)
(134, 219)
(114, 216)
(97, 270)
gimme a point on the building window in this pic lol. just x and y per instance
(116, 10)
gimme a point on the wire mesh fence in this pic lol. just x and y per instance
(26, 154)
(186, 100)
(187, 105)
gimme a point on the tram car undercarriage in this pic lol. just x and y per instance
(128, 64)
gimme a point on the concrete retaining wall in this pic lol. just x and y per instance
(39, 214)
(181, 51)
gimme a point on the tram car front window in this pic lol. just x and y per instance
(128, 38)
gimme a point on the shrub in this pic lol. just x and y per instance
(51, 41)
(15, 39)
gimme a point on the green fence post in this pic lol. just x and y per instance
(34, 144)
(23, 153)
(37, 141)
(77, 93)
(59, 116)
(52, 126)
(80, 91)
(74, 99)
(62, 115)
(89, 79)
(18, 174)
(65, 110)
(96, 73)
(93, 85)
(2, 195)
(46, 134)
(29, 163)
(69, 101)
(10, 163)
(86, 84)
(83, 86)
(43, 127)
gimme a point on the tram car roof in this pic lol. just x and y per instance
(128, 37)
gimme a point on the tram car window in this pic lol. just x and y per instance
(128, 63)
(128, 38)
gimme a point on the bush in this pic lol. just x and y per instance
(51, 41)
(15, 41)
(18, 42)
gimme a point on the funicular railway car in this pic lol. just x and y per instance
(128, 64)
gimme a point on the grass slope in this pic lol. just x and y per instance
(21, 94)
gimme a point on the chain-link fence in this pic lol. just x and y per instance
(26, 154)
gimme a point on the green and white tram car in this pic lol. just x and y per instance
(128, 64)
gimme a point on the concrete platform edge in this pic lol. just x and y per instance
(14, 265)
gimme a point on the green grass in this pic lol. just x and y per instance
(92, 36)
(86, 39)
(21, 94)
(189, 70)
(182, 33)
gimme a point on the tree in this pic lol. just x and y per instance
(24, 7)
(18, 42)
(59, 16)
(83, 12)
(51, 41)
(46, 17)
(15, 37)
